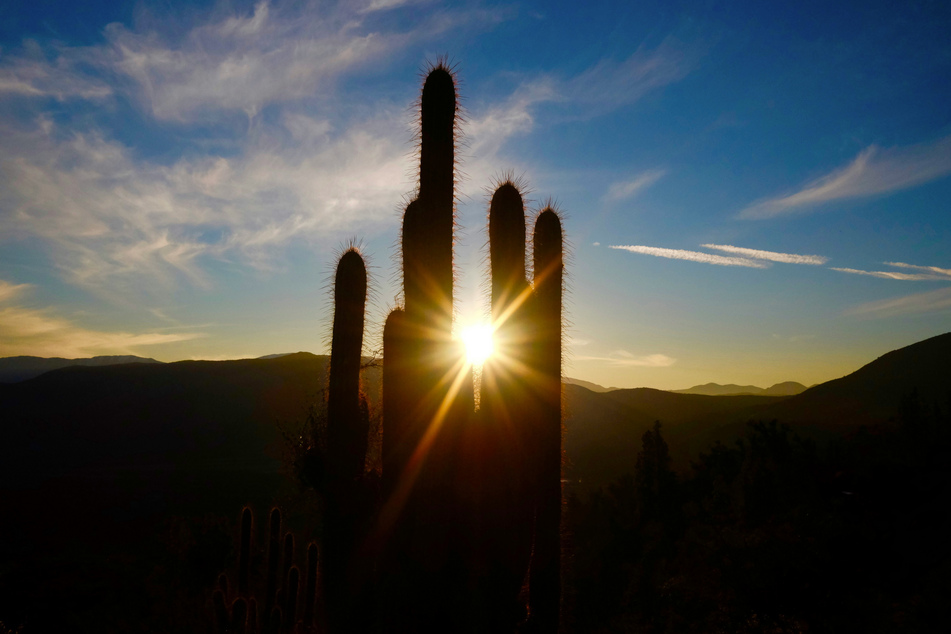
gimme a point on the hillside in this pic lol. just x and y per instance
(786, 388)
(126, 479)
(603, 431)
(16, 369)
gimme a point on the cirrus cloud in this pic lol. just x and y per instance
(625, 358)
(692, 256)
(772, 256)
(41, 333)
(874, 171)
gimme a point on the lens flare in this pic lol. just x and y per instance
(478, 341)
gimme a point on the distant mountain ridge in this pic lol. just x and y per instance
(603, 430)
(16, 369)
(594, 387)
(160, 409)
(786, 388)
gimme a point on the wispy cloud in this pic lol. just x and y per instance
(934, 301)
(33, 74)
(601, 88)
(874, 171)
(9, 290)
(693, 256)
(225, 62)
(274, 55)
(622, 190)
(611, 84)
(772, 256)
(109, 213)
(894, 275)
(385, 5)
(625, 358)
(25, 331)
(488, 130)
(930, 269)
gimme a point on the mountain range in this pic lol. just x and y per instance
(787, 388)
(16, 369)
(204, 413)
(118, 480)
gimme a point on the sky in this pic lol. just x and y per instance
(751, 192)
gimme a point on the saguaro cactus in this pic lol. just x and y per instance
(344, 577)
(470, 501)
(545, 580)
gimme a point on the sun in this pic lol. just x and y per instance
(478, 341)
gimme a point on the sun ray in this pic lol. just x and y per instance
(478, 343)
(393, 508)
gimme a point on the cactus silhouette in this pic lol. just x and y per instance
(281, 593)
(346, 497)
(545, 571)
(273, 560)
(244, 554)
(310, 584)
(489, 482)
(469, 501)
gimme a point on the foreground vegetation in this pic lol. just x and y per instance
(771, 534)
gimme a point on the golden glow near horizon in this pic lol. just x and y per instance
(478, 341)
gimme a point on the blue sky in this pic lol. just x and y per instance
(752, 193)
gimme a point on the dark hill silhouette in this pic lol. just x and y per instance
(871, 395)
(96, 461)
(119, 483)
(594, 387)
(16, 369)
(874, 392)
(188, 414)
(603, 431)
(204, 414)
(715, 389)
(787, 388)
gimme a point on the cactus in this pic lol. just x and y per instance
(273, 560)
(470, 501)
(244, 554)
(545, 570)
(310, 587)
(242, 613)
(291, 586)
(347, 429)
(346, 432)
(427, 393)
(281, 592)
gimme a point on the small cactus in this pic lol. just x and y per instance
(310, 586)
(273, 560)
(244, 554)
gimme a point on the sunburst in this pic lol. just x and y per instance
(478, 341)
